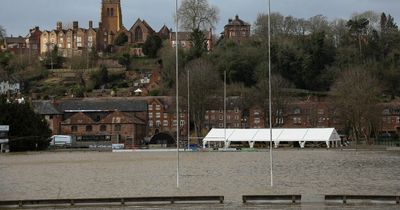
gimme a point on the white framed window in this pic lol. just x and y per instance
(182, 123)
(256, 120)
(158, 115)
(90, 38)
(174, 122)
(221, 117)
(320, 111)
(165, 123)
(150, 107)
(150, 115)
(158, 107)
(158, 123)
(69, 45)
(165, 115)
(150, 123)
(296, 120)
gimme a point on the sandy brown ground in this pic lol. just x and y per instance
(232, 174)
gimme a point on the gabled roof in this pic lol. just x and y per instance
(164, 30)
(94, 105)
(142, 23)
(45, 108)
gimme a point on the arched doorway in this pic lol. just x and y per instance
(162, 139)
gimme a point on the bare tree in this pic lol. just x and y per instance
(280, 98)
(355, 96)
(197, 15)
(2, 33)
(204, 85)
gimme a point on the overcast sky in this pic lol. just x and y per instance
(18, 16)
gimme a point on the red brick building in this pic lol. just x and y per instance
(237, 30)
(162, 117)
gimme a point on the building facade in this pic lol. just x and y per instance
(237, 30)
(74, 40)
(162, 117)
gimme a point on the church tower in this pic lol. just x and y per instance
(111, 16)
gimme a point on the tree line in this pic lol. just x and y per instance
(353, 63)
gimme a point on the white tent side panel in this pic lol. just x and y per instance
(278, 135)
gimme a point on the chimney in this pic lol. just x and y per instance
(230, 20)
(90, 24)
(237, 17)
(75, 25)
(59, 25)
(37, 28)
(100, 25)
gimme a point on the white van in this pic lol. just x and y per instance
(61, 140)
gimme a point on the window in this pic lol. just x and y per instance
(165, 115)
(150, 107)
(74, 128)
(108, 11)
(221, 117)
(138, 34)
(182, 122)
(165, 123)
(296, 111)
(89, 128)
(158, 107)
(206, 117)
(150, 115)
(296, 120)
(117, 128)
(220, 111)
(386, 112)
(158, 123)
(112, 12)
(158, 115)
(320, 111)
(236, 110)
(90, 38)
(228, 117)
(174, 122)
(103, 128)
(221, 125)
(237, 117)
(212, 117)
(256, 120)
(150, 123)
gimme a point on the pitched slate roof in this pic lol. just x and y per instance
(45, 108)
(93, 105)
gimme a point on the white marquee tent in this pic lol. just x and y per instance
(302, 135)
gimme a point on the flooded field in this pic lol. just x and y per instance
(231, 174)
